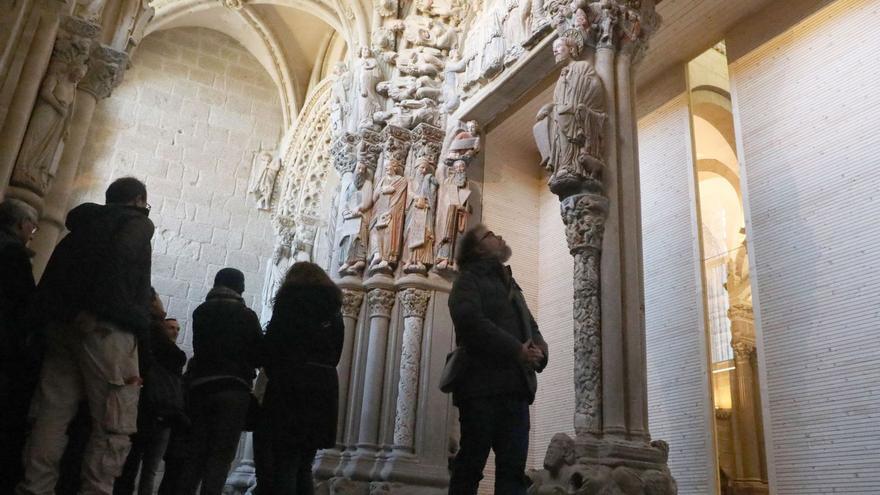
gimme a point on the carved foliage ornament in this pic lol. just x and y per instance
(414, 302)
(380, 302)
(106, 68)
(351, 302)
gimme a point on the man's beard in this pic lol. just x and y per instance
(459, 179)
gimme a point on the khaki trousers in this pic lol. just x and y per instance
(93, 361)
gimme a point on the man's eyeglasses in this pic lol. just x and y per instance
(487, 234)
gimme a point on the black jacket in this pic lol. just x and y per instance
(226, 340)
(492, 322)
(16, 290)
(102, 266)
(301, 350)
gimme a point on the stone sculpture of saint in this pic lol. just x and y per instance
(339, 102)
(275, 273)
(571, 129)
(386, 222)
(453, 66)
(494, 47)
(366, 76)
(37, 157)
(263, 177)
(419, 230)
(357, 200)
(452, 211)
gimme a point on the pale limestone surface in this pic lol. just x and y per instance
(192, 110)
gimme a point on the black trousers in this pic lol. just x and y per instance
(218, 419)
(499, 423)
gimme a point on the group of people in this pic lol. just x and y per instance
(93, 384)
(92, 341)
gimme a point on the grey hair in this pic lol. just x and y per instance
(13, 211)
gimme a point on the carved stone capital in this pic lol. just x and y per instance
(414, 302)
(380, 302)
(106, 69)
(351, 302)
(743, 349)
(584, 217)
(344, 152)
(396, 143)
(427, 143)
(369, 148)
(622, 25)
(74, 27)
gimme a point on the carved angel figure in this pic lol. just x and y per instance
(339, 105)
(570, 130)
(366, 76)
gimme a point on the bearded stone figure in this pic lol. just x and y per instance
(357, 200)
(386, 224)
(570, 131)
(419, 230)
(37, 158)
(452, 212)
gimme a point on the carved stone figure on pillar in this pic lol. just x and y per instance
(37, 158)
(367, 76)
(386, 224)
(263, 175)
(570, 130)
(339, 105)
(557, 477)
(275, 273)
(419, 230)
(465, 144)
(357, 201)
(453, 211)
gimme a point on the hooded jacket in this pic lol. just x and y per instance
(102, 267)
(16, 289)
(302, 347)
(492, 322)
(226, 341)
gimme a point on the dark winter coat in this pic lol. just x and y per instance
(102, 267)
(16, 290)
(226, 341)
(301, 350)
(492, 322)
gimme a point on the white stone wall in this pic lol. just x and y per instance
(808, 112)
(192, 110)
(679, 401)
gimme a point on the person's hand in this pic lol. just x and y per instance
(531, 354)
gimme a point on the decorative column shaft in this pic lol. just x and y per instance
(106, 68)
(415, 304)
(745, 414)
(380, 303)
(351, 307)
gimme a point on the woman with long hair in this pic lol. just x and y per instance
(302, 348)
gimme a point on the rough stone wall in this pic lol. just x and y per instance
(807, 119)
(192, 110)
(679, 401)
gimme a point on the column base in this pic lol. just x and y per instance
(589, 465)
(345, 486)
(326, 463)
(750, 487)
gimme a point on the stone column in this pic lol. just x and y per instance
(745, 405)
(415, 304)
(106, 68)
(380, 302)
(243, 476)
(351, 308)
(588, 141)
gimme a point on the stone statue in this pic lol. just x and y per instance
(386, 224)
(558, 475)
(263, 175)
(494, 47)
(366, 76)
(275, 273)
(419, 230)
(339, 105)
(37, 158)
(465, 144)
(517, 17)
(452, 212)
(454, 66)
(89, 10)
(357, 200)
(570, 131)
(304, 240)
